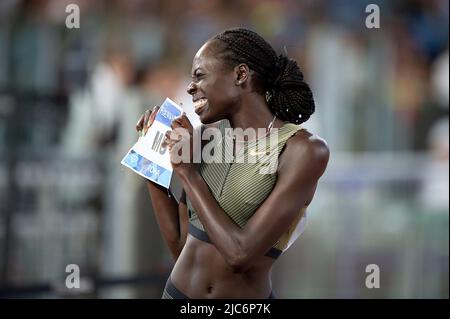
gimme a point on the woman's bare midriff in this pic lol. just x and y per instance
(202, 272)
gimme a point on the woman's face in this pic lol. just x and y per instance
(213, 88)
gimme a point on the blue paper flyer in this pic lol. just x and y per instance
(147, 157)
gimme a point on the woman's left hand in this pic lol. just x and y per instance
(180, 144)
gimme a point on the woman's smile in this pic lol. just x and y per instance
(200, 105)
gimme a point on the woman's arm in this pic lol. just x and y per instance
(172, 218)
(302, 163)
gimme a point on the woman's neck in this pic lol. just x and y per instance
(253, 113)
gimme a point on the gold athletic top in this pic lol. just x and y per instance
(241, 183)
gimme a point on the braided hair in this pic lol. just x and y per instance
(276, 76)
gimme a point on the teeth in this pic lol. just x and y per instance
(200, 103)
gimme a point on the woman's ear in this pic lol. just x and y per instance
(242, 72)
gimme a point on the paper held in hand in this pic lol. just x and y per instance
(147, 157)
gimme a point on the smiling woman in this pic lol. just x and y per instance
(234, 221)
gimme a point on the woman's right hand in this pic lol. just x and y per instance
(146, 120)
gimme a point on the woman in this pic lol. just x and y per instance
(233, 221)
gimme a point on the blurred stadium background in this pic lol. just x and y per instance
(69, 100)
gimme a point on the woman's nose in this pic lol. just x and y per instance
(191, 88)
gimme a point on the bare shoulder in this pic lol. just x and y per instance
(305, 150)
(309, 144)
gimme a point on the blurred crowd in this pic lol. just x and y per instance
(77, 93)
(376, 89)
(395, 77)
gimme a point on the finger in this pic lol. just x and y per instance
(168, 143)
(151, 118)
(174, 124)
(146, 117)
(153, 115)
(179, 122)
(182, 120)
(166, 139)
(140, 123)
(185, 121)
(172, 137)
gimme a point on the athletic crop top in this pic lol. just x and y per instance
(241, 186)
